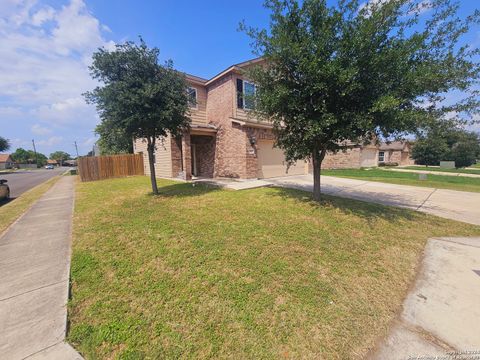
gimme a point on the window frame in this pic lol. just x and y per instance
(193, 106)
(244, 94)
(381, 156)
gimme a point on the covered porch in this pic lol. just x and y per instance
(194, 155)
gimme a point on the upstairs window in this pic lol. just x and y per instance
(192, 97)
(245, 94)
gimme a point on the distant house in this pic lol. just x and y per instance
(395, 152)
(6, 161)
(52, 162)
(70, 163)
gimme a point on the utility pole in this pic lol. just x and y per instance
(76, 148)
(35, 151)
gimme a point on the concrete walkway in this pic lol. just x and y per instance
(444, 173)
(34, 280)
(450, 204)
(441, 314)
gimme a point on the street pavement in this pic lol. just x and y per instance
(23, 180)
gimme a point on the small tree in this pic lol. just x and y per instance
(430, 151)
(358, 72)
(140, 97)
(463, 154)
(60, 156)
(447, 143)
(4, 144)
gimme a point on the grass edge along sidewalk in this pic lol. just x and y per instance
(408, 178)
(264, 273)
(12, 210)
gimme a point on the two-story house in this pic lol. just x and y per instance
(224, 141)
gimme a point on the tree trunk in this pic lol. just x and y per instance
(151, 162)
(317, 157)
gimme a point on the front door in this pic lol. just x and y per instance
(194, 160)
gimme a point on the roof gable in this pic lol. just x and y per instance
(5, 158)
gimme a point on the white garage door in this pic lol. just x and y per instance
(368, 157)
(271, 162)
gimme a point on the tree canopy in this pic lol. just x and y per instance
(458, 145)
(138, 97)
(23, 156)
(60, 156)
(352, 72)
(4, 144)
(113, 139)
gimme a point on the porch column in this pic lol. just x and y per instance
(186, 156)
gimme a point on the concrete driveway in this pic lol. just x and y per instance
(441, 313)
(450, 204)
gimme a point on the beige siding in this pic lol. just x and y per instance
(198, 114)
(163, 156)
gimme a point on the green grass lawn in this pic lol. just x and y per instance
(477, 165)
(13, 209)
(199, 272)
(405, 178)
(429, 168)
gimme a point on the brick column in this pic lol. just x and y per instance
(186, 156)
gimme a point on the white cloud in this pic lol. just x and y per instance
(68, 111)
(43, 15)
(40, 130)
(10, 112)
(51, 141)
(45, 52)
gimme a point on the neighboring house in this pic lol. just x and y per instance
(224, 140)
(69, 163)
(395, 152)
(52, 162)
(6, 161)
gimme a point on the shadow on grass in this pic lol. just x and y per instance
(181, 190)
(363, 209)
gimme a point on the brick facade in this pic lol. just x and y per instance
(226, 139)
(351, 158)
(205, 147)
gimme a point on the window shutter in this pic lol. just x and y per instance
(240, 93)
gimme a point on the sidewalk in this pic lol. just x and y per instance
(441, 312)
(34, 281)
(443, 173)
(449, 204)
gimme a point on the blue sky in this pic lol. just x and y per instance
(46, 46)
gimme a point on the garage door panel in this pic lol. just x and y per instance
(271, 162)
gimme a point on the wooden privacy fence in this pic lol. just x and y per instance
(92, 168)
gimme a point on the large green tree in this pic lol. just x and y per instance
(4, 144)
(142, 98)
(113, 139)
(23, 156)
(449, 143)
(60, 156)
(358, 72)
